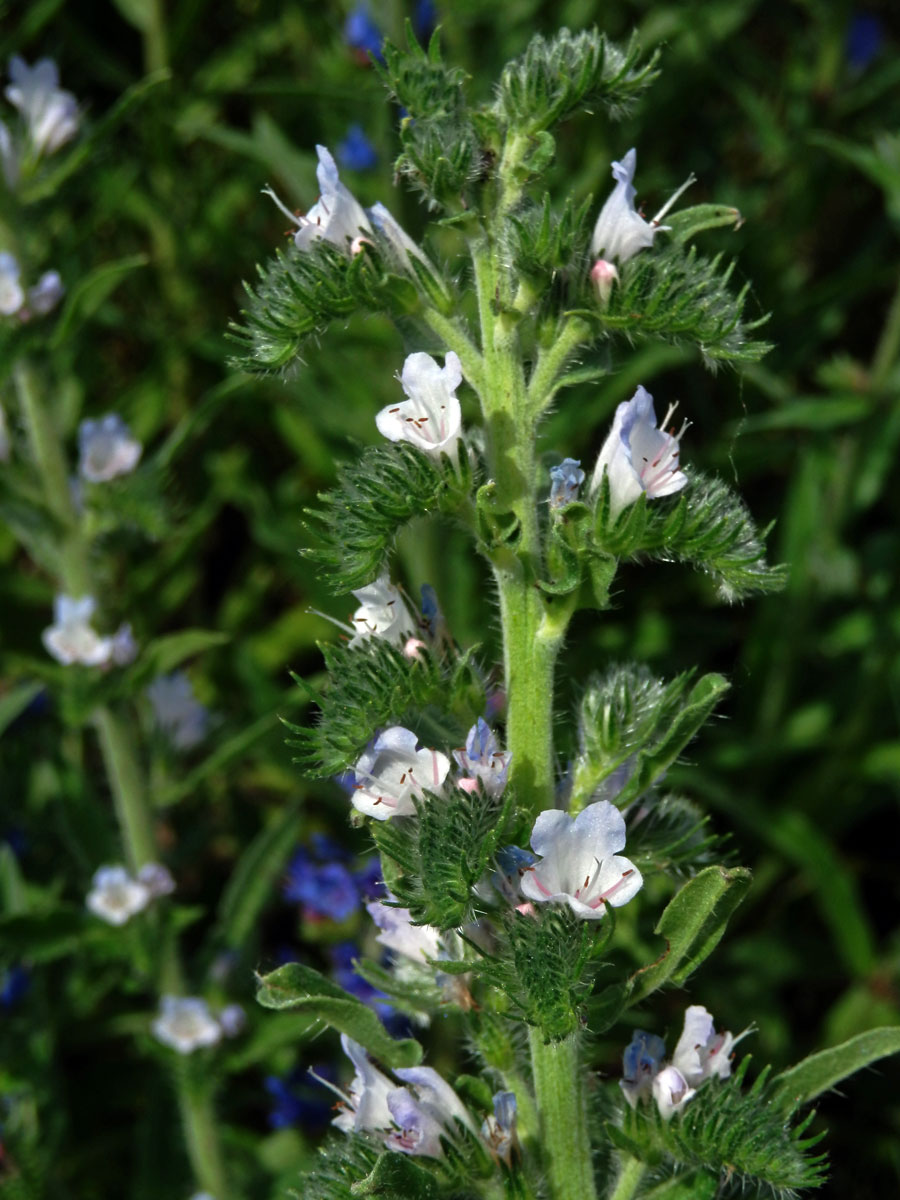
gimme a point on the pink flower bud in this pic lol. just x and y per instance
(603, 276)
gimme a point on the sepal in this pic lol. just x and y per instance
(544, 243)
(708, 527)
(388, 486)
(442, 853)
(419, 80)
(557, 76)
(633, 723)
(733, 1135)
(679, 296)
(397, 1177)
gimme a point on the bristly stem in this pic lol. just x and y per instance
(631, 1173)
(559, 1088)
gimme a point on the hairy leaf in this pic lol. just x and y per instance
(692, 924)
(821, 1072)
(632, 727)
(376, 495)
(300, 988)
(708, 527)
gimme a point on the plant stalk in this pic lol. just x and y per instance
(629, 1180)
(560, 1096)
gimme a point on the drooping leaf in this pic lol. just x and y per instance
(300, 988)
(255, 875)
(692, 924)
(820, 1072)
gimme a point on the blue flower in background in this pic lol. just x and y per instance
(424, 19)
(369, 881)
(865, 37)
(14, 983)
(296, 1101)
(356, 151)
(362, 34)
(327, 891)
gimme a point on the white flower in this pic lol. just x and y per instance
(157, 879)
(177, 712)
(382, 614)
(702, 1053)
(420, 943)
(579, 864)
(671, 1092)
(106, 449)
(12, 297)
(430, 417)
(70, 639)
(185, 1023)
(431, 1109)
(51, 115)
(637, 456)
(620, 231)
(399, 241)
(364, 1107)
(393, 771)
(115, 897)
(337, 217)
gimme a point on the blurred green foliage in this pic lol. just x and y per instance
(780, 110)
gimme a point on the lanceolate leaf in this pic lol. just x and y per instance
(302, 989)
(692, 924)
(823, 1071)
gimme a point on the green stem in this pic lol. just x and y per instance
(132, 808)
(454, 338)
(630, 1176)
(544, 381)
(560, 1095)
(156, 54)
(888, 344)
(200, 1129)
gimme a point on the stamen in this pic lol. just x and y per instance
(297, 220)
(692, 178)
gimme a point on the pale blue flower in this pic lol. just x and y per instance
(12, 296)
(123, 647)
(364, 1107)
(157, 879)
(483, 761)
(499, 1129)
(178, 713)
(566, 479)
(425, 1112)
(419, 943)
(50, 114)
(620, 231)
(233, 1020)
(641, 1063)
(639, 457)
(185, 1024)
(46, 294)
(106, 449)
(579, 863)
(336, 217)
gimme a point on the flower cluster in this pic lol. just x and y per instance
(116, 896)
(186, 1023)
(320, 880)
(701, 1054)
(25, 303)
(72, 639)
(417, 1118)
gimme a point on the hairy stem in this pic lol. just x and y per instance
(630, 1175)
(129, 795)
(560, 1095)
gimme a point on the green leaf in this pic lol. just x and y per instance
(708, 527)
(42, 936)
(253, 879)
(14, 702)
(164, 654)
(90, 292)
(631, 720)
(397, 1177)
(688, 222)
(692, 924)
(377, 495)
(820, 1072)
(298, 987)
